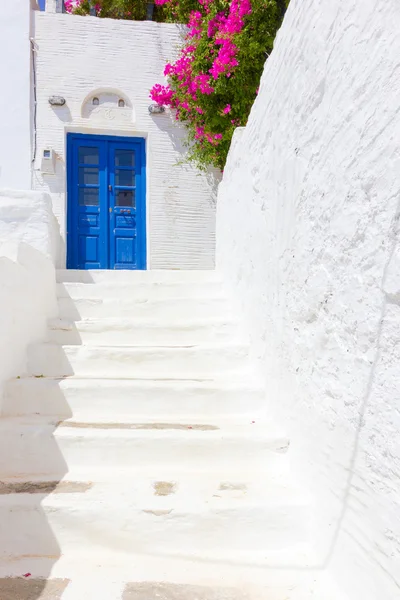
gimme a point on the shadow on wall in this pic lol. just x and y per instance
(177, 134)
(365, 402)
(63, 113)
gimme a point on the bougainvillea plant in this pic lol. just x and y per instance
(114, 9)
(214, 81)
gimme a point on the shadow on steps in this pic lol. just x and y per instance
(28, 547)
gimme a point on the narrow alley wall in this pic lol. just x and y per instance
(308, 238)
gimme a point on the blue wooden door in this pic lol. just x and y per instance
(106, 202)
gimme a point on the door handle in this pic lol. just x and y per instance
(110, 188)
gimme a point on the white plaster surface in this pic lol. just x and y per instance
(27, 276)
(28, 217)
(307, 238)
(15, 96)
(82, 57)
(151, 461)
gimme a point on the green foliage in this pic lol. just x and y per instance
(210, 117)
(114, 9)
(129, 10)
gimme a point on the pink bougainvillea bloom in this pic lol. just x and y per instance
(162, 94)
(169, 69)
(195, 19)
(219, 32)
(199, 133)
(70, 5)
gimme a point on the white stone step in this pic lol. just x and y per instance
(171, 308)
(199, 516)
(139, 451)
(152, 290)
(118, 576)
(128, 331)
(32, 446)
(135, 277)
(86, 398)
(132, 362)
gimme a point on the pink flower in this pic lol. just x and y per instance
(162, 94)
(227, 109)
(225, 60)
(169, 69)
(199, 133)
(201, 82)
(195, 19)
(70, 5)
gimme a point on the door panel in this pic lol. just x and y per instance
(106, 203)
(125, 162)
(89, 204)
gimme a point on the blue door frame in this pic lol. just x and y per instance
(106, 202)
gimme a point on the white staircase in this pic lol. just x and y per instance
(137, 450)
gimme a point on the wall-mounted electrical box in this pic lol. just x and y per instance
(48, 161)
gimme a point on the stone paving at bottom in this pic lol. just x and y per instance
(171, 591)
(21, 588)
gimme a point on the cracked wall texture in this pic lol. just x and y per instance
(308, 238)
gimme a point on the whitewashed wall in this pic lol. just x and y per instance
(28, 217)
(15, 95)
(28, 232)
(80, 56)
(308, 237)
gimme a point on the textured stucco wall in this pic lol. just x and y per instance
(308, 238)
(15, 96)
(78, 56)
